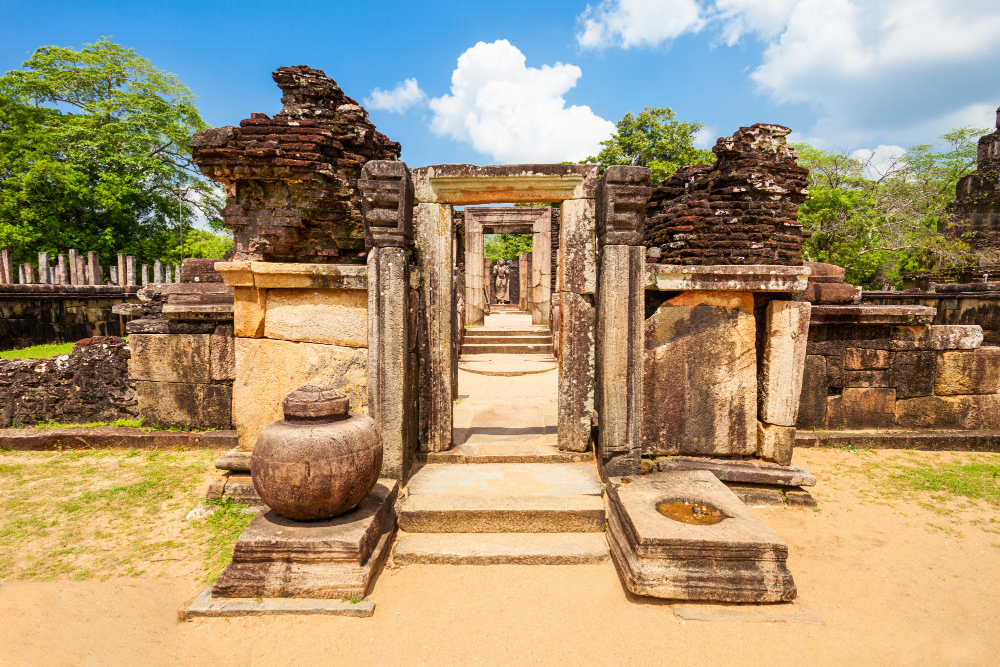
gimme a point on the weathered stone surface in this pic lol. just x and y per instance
(320, 466)
(433, 234)
(872, 378)
(223, 354)
(862, 408)
(391, 380)
(271, 275)
(757, 495)
(171, 357)
(857, 359)
(865, 314)
(577, 268)
(266, 370)
(779, 381)
(234, 459)
(968, 372)
(576, 371)
(248, 312)
(752, 472)
(331, 316)
(463, 184)
(774, 443)
(831, 293)
(939, 337)
(738, 559)
(112, 437)
(277, 557)
(184, 404)
(500, 548)
(700, 376)
(977, 411)
(812, 398)
(754, 278)
(742, 210)
(618, 394)
(912, 373)
(620, 205)
(387, 203)
(825, 273)
(927, 439)
(207, 606)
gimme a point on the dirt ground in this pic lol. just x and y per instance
(899, 577)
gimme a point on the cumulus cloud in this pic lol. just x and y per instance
(881, 161)
(629, 23)
(516, 113)
(868, 67)
(405, 95)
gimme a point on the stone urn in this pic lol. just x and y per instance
(320, 460)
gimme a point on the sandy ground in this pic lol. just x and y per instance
(897, 581)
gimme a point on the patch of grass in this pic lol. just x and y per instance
(221, 529)
(979, 481)
(128, 423)
(38, 351)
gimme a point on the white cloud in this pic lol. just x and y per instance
(405, 95)
(881, 161)
(516, 113)
(869, 68)
(705, 137)
(629, 23)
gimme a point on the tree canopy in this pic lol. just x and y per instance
(506, 246)
(653, 139)
(880, 215)
(94, 155)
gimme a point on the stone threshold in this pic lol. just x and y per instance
(112, 437)
(938, 440)
(208, 606)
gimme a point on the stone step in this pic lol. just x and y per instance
(475, 333)
(504, 498)
(469, 348)
(511, 340)
(502, 514)
(500, 548)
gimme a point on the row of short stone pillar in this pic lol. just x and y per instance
(75, 268)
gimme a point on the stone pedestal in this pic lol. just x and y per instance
(276, 557)
(737, 559)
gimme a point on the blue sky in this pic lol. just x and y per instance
(549, 78)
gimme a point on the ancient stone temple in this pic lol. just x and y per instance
(976, 207)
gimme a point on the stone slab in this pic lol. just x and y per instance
(576, 271)
(700, 372)
(739, 559)
(265, 275)
(577, 349)
(170, 357)
(505, 365)
(234, 459)
(757, 495)
(782, 363)
(112, 437)
(184, 404)
(489, 513)
(266, 370)
(975, 411)
(223, 354)
(248, 311)
(329, 316)
(869, 314)
(831, 293)
(775, 443)
(500, 548)
(968, 372)
(862, 407)
(794, 612)
(752, 278)
(208, 606)
(464, 184)
(506, 480)
(754, 472)
(281, 558)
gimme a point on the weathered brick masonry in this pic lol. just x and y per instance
(742, 210)
(291, 181)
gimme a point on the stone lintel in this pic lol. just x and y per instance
(267, 275)
(464, 184)
(871, 314)
(751, 472)
(743, 278)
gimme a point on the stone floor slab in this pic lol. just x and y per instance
(500, 548)
(507, 480)
(487, 513)
(208, 606)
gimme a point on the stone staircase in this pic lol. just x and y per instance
(530, 513)
(507, 341)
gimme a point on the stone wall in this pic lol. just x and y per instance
(976, 208)
(970, 303)
(742, 210)
(291, 181)
(89, 384)
(36, 314)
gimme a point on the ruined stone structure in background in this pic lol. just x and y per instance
(976, 207)
(742, 210)
(89, 384)
(291, 181)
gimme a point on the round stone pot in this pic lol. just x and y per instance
(320, 460)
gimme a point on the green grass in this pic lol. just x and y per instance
(978, 481)
(38, 351)
(130, 423)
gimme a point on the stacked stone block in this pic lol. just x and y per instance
(976, 208)
(742, 210)
(292, 181)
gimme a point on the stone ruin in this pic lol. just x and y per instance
(742, 210)
(976, 208)
(291, 180)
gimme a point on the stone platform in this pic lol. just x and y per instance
(735, 559)
(276, 557)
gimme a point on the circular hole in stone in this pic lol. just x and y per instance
(690, 511)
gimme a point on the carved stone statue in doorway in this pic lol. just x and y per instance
(501, 278)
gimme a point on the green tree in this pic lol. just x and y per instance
(506, 246)
(881, 216)
(653, 139)
(93, 151)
